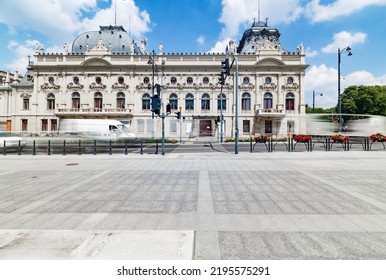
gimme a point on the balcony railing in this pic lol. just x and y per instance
(94, 111)
(273, 113)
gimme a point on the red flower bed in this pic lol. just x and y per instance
(261, 139)
(339, 138)
(302, 138)
(378, 137)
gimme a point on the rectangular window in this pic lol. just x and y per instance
(268, 126)
(54, 125)
(173, 126)
(141, 126)
(246, 127)
(24, 125)
(205, 104)
(76, 103)
(189, 104)
(173, 104)
(26, 104)
(290, 104)
(44, 125)
(246, 104)
(150, 126)
(120, 103)
(146, 104)
(51, 104)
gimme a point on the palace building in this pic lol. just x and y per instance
(105, 74)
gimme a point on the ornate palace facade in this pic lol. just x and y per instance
(107, 75)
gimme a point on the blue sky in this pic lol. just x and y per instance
(207, 25)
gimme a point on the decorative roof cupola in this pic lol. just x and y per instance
(114, 38)
(260, 37)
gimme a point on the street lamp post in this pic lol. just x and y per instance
(159, 89)
(348, 50)
(313, 100)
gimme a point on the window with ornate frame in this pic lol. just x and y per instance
(50, 101)
(246, 101)
(290, 101)
(189, 102)
(98, 102)
(121, 100)
(173, 101)
(267, 101)
(75, 100)
(205, 102)
(224, 101)
(146, 101)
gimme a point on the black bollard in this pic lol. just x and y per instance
(94, 149)
(141, 152)
(250, 144)
(64, 147)
(34, 149)
(4, 149)
(156, 147)
(79, 148)
(126, 148)
(49, 148)
(19, 149)
(110, 149)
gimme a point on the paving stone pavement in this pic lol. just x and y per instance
(320, 205)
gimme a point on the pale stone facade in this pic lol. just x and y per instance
(97, 80)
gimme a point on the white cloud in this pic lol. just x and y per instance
(311, 53)
(236, 13)
(220, 46)
(200, 40)
(323, 79)
(21, 51)
(61, 20)
(129, 16)
(316, 12)
(344, 39)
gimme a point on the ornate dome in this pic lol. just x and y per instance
(115, 35)
(259, 37)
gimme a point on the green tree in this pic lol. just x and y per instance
(364, 100)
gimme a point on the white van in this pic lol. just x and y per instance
(105, 129)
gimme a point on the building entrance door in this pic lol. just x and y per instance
(205, 128)
(9, 125)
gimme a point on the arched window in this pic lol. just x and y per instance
(146, 102)
(50, 101)
(224, 101)
(98, 101)
(205, 102)
(267, 100)
(290, 102)
(173, 101)
(189, 102)
(75, 100)
(246, 101)
(120, 100)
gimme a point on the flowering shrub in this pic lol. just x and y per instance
(261, 139)
(302, 138)
(378, 137)
(339, 138)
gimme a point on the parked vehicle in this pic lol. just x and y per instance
(12, 142)
(104, 129)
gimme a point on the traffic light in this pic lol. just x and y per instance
(221, 78)
(178, 115)
(168, 109)
(158, 89)
(225, 67)
(155, 104)
(218, 120)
